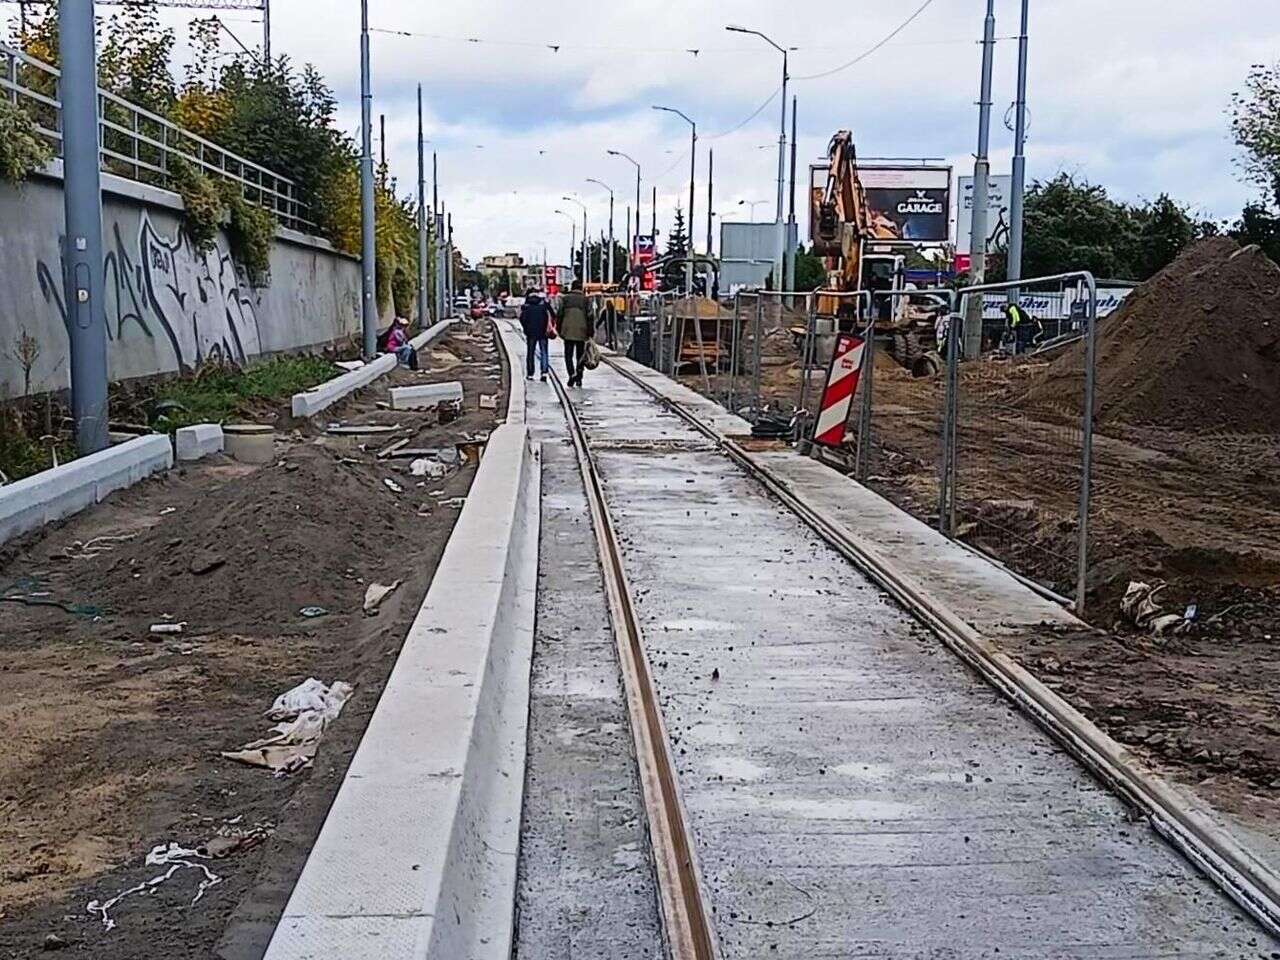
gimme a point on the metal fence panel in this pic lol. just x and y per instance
(1018, 466)
(140, 145)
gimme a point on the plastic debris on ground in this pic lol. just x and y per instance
(392, 485)
(424, 467)
(1140, 607)
(312, 612)
(376, 593)
(304, 712)
(176, 858)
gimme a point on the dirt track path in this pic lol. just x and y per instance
(114, 737)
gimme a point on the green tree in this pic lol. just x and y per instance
(1074, 225)
(811, 272)
(1255, 124)
(677, 246)
(1164, 228)
(1258, 225)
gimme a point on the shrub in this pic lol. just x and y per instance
(250, 231)
(22, 152)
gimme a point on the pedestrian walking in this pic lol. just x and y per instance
(538, 322)
(576, 329)
(610, 315)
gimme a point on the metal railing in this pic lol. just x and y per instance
(140, 145)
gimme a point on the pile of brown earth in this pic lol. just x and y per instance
(287, 525)
(1195, 347)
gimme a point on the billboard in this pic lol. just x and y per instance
(642, 254)
(999, 190)
(907, 202)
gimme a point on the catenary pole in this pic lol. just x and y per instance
(711, 173)
(424, 318)
(792, 228)
(369, 306)
(981, 178)
(83, 278)
(1019, 161)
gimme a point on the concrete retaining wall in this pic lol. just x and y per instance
(417, 858)
(53, 494)
(169, 307)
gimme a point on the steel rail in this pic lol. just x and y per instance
(1253, 885)
(687, 919)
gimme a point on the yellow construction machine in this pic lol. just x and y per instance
(846, 234)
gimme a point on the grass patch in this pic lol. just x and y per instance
(21, 456)
(219, 393)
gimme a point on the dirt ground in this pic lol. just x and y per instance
(1194, 508)
(114, 734)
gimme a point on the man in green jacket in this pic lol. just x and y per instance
(576, 328)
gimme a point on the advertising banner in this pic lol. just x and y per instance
(999, 189)
(642, 255)
(906, 202)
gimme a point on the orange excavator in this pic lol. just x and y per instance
(844, 224)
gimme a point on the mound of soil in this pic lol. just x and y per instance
(289, 526)
(1195, 347)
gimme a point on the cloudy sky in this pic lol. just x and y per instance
(1128, 93)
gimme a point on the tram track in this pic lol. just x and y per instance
(1240, 875)
(687, 919)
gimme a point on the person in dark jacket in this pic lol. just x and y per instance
(576, 328)
(535, 317)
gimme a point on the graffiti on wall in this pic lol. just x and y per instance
(200, 302)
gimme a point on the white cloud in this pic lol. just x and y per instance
(1129, 93)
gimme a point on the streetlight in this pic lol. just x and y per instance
(584, 238)
(634, 163)
(693, 172)
(573, 235)
(752, 204)
(600, 183)
(780, 247)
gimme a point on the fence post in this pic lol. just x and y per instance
(946, 480)
(863, 455)
(1086, 456)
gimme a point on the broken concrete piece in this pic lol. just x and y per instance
(425, 396)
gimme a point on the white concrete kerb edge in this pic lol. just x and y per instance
(53, 494)
(417, 857)
(310, 402)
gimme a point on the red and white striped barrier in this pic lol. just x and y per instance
(837, 396)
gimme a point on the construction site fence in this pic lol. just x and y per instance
(1005, 458)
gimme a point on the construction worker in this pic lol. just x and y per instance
(1025, 328)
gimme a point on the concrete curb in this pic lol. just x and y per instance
(53, 494)
(198, 441)
(311, 402)
(502, 329)
(417, 858)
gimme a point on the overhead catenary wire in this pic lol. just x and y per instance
(873, 49)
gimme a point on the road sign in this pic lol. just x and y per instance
(842, 384)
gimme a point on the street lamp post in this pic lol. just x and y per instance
(609, 259)
(693, 172)
(585, 269)
(573, 235)
(634, 163)
(751, 205)
(981, 173)
(779, 259)
(369, 311)
(1016, 200)
(84, 286)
